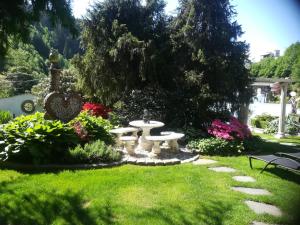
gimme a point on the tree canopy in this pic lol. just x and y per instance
(17, 16)
(194, 56)
(125, 46)
(283, 66)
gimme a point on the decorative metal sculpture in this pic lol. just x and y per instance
(146, 116)
(58, 105)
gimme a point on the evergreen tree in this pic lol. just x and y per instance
(126, 45)
(16, 17)
(210, 60)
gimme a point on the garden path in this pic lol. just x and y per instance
(257, 207)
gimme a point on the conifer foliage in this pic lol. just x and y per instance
(194, 56)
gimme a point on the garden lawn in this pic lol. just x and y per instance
(181, 194)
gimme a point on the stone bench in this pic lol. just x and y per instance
(129, 143)
(121, 131)
(171, 138)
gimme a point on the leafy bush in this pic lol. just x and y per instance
(262, 121)
(253, 143)
(33, 139)
(96, 109)
(5, 117)
(291, 127)
(90, 128)
(132, 104)
(232, 130)
(94, 152)
(216, 146)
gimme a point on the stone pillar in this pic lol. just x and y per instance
(54, 71)
(281, 125)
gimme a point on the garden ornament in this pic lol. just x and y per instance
(293, 102)
(58, 105)
(146, 116)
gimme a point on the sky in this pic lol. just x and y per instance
(267, 24)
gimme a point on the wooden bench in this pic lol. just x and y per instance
(129, 143)
(121, 131)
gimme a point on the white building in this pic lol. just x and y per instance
(19, 104)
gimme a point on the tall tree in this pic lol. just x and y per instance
(211, 61)
(126, 44)
(16, 16)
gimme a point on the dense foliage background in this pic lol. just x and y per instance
(287, 65)
(194, 59)
(186, 69)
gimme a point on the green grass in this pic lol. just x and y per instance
(181, 194)
(288, 139)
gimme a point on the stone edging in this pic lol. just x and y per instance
(144, 162)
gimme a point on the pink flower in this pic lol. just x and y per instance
(234, 129)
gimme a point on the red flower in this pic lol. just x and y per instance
(97, 109)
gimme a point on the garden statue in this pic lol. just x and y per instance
(293, 102)
(146, 116)
(58, 105)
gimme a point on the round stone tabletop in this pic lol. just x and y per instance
(142, 124)
(123, 130)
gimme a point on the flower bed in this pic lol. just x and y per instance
(32, 139)
(227, 138)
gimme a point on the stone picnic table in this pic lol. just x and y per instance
(169, 137)
(123, 130)
(145, 144)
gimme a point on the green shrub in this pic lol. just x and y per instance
(291, 126)
(262, 121)
(94, 152)
(91, 128)
(253, 143)
(33, 139)
(5, 117)
(216, 146)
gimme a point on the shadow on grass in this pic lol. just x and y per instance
(209, 213)
(284, 174)
(39, 207)
(271, 148)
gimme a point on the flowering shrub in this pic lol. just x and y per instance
(80, 131)
(232, 130)
(90, 128)
(96, 109)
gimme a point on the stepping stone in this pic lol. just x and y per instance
(288, 144)
(261, 208)
(222, 169)
(260, 223)
(244, 179)
(204, 162)
(251, 191)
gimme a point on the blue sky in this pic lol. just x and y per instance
(268, 24)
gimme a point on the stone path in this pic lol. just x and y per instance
(260, 223)
(257, 207)
(204, 162)
(244, 179)
(251, 191)
(288, 144)
(261, 208)
(223, 169)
